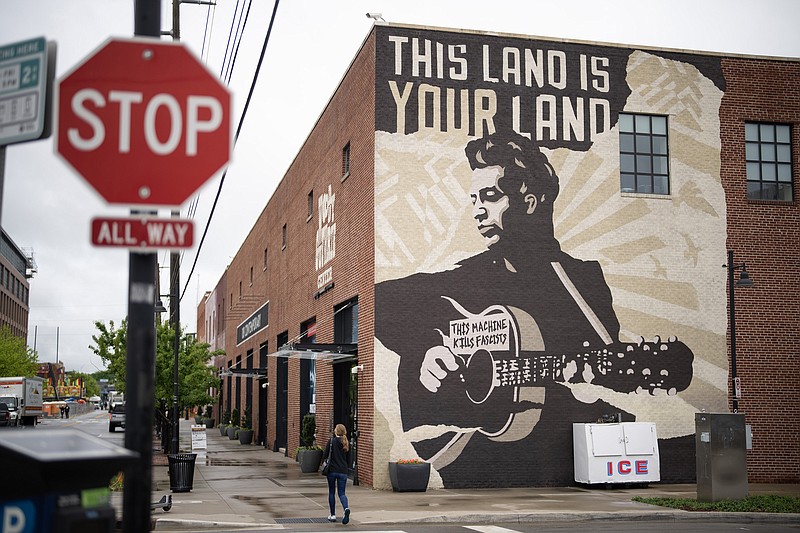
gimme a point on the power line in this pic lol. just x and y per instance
(235, 139)
(238, 41)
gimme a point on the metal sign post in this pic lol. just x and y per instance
(141, 348)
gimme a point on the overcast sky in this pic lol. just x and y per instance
(48, 208)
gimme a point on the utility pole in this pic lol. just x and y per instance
(174, 281)
(175, 275)
(175, 323)
(141, 347)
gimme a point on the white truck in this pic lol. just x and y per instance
(23, 396)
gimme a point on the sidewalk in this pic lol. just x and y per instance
(250, 486)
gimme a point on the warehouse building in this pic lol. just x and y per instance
(487, 238)
(17, 267)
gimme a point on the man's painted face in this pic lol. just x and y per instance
(489, 202)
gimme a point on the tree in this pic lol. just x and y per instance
(195, 377)
(103, 374)
(112, 349)
(16, 358)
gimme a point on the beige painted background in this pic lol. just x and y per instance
(661, 255)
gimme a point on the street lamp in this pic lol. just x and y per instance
(744, 281)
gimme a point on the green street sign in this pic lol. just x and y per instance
(27, 69)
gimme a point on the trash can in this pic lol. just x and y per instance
(181, 471)
(57, 480)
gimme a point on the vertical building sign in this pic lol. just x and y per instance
(326, 241)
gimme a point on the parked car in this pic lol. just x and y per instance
(116, 418)
(5, 415)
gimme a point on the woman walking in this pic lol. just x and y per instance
(336, 453)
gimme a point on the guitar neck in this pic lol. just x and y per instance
(623, 367)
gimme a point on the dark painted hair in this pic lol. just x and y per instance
(519, 156)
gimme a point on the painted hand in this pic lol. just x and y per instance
(438, 361)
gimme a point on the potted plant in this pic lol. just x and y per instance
(409, 475)
(234, 427)
(309, 456)
(226, 421)
(208, 419)
(246, 431)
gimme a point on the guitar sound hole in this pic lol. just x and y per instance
(479, 376)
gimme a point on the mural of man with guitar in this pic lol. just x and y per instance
(487, 349)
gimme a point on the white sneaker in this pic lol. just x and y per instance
(332, 518)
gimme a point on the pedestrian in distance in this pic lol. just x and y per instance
(66, 410)
(61, 408)
(336, 454)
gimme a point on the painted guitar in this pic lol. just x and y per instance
(502, 349)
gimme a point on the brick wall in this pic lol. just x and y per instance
(290, 280)
(766, 236)
(763, 234)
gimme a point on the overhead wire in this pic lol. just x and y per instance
(238, 42)
(208, 32)
(228, 44)
(236, 137)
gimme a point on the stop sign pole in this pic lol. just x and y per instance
(145, 124)
(141, 348)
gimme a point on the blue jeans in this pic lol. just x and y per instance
(340, 481)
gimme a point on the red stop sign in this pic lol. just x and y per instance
(143, 121)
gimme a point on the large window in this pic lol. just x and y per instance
(768, 152)
(345, 322)
(643, 154)
(308, 371)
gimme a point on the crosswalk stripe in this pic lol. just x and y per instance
(491, 529)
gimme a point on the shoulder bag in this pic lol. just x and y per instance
(326, 463)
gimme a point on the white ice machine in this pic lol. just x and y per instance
(625, 452)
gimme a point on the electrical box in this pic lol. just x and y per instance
(721, 442)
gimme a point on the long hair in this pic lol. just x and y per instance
(341, 433)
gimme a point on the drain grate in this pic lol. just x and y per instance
(301, 520)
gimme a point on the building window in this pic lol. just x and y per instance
(310, 205)
(308, 372)
(265, 259)
(345, 322)
(346, 160)
(768, 155)
(643, 154)
(240, 290)
(251, 276)
(283, 245)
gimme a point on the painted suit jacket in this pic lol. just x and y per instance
(418, 312)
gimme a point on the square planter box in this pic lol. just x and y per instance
(309, 460)
(407, 477)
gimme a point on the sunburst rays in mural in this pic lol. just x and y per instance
(661, 255)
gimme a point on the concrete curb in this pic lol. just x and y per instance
(511, 518)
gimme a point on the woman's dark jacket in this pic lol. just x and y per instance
(338, 457)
